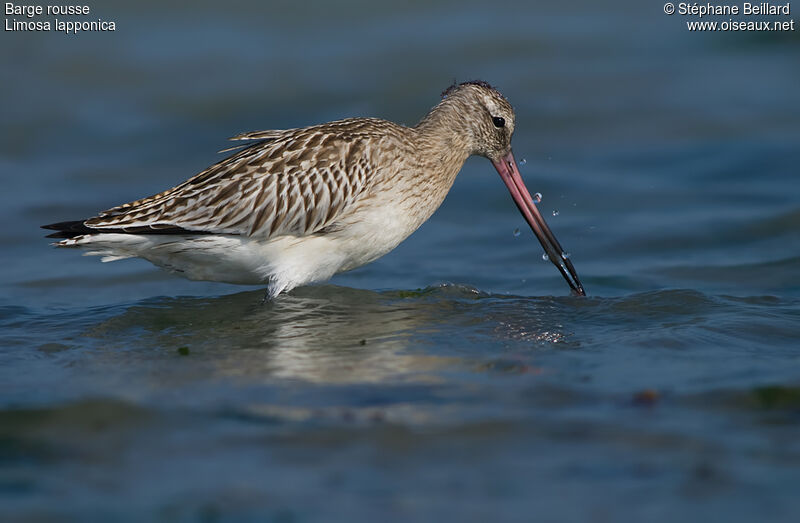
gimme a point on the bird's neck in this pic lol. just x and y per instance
(447, 121)
(444, 136)
(441, 148)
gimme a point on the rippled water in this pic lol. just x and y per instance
(454, 379)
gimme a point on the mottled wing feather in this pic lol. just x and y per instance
(289, 182)
(262, 135)
(255, 135)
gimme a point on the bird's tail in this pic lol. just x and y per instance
(68, 229)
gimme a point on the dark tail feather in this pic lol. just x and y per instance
(68, 229)
(78, 227)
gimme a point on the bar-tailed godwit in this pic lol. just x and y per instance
(300, 205)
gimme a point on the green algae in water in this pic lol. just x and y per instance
(777, 397)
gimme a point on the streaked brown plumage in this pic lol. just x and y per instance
(299, 205)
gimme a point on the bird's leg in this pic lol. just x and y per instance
(273, 289)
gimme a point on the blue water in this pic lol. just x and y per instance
(454, 379)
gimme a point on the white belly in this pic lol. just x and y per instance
(282, 263)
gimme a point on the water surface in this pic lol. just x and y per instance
(455, 378)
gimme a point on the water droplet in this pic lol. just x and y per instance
(523, 162)
(555, 212)
(516, 232)
(545, 257)
(565, 255)
(537, 197)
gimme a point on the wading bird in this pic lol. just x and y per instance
(297, 206)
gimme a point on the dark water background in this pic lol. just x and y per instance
(454, 379)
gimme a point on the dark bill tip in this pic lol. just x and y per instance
(509, 172)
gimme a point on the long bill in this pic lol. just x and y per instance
(509, 172)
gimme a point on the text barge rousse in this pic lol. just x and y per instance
(67, 26)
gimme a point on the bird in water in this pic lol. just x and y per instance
(297, 206)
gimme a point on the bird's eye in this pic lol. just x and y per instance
(498, 121)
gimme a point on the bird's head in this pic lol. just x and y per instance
(484, 120)
(486, 116)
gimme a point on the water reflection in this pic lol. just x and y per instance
(329, 334)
